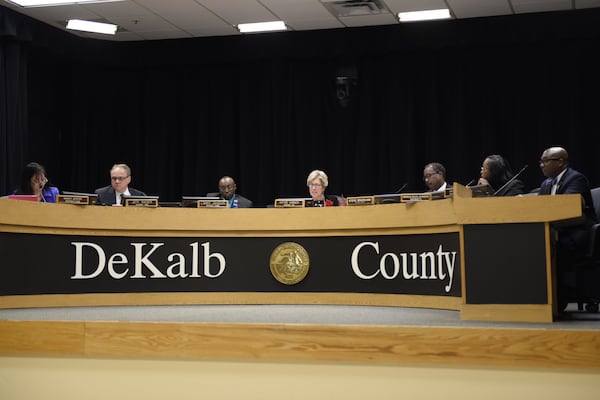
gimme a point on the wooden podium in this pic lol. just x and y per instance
(504, 262)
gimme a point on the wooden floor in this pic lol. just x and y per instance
(379, 335)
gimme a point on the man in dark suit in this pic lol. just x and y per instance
(573, 241)
(120, 177)
(227, 188)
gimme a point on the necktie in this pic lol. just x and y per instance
(553, 186)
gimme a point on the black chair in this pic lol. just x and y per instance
(587, 273)
(596, 201)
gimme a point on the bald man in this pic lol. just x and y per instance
(227, 191)
(573, 242)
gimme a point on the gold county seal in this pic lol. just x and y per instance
(289, 263)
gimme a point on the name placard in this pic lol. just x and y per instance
(141, 202)
(212, 203)
(290, 203)
(74, 199)
(414, 197)
(361, 200)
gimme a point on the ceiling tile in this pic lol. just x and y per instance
(239, 11)
(531, 6)
(587, 3)
(479, 8)
(172, 34)
(185, 14)
(118, 9)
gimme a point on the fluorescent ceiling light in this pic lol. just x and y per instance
(425, 15)
(262, 27)
(90, 26)
(44, 3)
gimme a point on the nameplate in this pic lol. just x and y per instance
(360, 200)
(290, 203)
(449, 192)
(414, 197)
(141, 202)
(212, 203)
(73, 199)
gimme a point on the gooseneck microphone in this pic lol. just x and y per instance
(472, 181)
(510, 180)
(401, 188)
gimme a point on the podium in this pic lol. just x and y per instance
(491, 259)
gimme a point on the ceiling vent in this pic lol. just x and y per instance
(351, 8)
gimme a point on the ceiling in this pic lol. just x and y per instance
(175, 19)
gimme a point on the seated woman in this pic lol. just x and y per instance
(496, 172)
(317, 182)
(33, 181)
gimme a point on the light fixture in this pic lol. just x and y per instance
(424, 15)
(45, 3)
(262, 27)
(91, 26)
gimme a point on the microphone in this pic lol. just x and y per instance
(401, 188)
(472, 181)
(510, 180)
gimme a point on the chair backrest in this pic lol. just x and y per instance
(341, 200)
(596, 200)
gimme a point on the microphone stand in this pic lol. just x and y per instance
(510, 180)
(401, 188)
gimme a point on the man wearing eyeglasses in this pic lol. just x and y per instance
(573, 242)
(227, 188)
(434, 175)
(120, 178)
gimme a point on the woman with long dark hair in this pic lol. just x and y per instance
(496, 172)
(34, 181)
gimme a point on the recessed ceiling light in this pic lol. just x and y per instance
(424, 15)
(262, 27)
(91, 26)
(44, 3)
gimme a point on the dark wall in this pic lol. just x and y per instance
(263, 108)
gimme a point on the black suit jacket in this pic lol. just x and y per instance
(107, 196)
(512, 189)
(241, 200)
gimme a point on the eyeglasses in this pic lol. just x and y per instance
(547, 160)
(119, 178)
(315, 185)
(228, 187)
(427, 176)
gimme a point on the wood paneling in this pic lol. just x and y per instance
(500, 347)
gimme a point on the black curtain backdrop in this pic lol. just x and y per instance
(263, 108)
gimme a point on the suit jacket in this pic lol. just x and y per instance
(107, 196)
(574, 182)
(512, 189)
(241, 200)
(574, 240)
